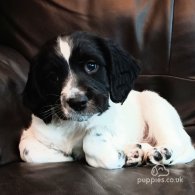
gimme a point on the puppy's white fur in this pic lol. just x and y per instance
(65, 47)
(104, 136)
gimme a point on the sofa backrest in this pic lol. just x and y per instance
(161, 34)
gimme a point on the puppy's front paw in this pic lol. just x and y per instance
(134, 155)
(159, 155)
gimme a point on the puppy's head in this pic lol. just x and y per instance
(74, 76)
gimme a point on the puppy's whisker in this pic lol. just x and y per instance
(52, 105)
(46, 112)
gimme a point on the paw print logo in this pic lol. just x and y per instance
(159, 171)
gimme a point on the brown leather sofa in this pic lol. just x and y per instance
(160, 33)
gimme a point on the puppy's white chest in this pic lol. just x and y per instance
(64, 136)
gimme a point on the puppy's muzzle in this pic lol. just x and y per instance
(78, 103)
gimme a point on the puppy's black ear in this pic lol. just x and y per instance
(32, 96)
(123, 70)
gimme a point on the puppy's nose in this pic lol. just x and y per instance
(78, 103)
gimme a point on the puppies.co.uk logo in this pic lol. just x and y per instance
(160, 174)
(160, 171)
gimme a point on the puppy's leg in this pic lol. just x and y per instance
(101, 152)
(31, 150)
(173, 144)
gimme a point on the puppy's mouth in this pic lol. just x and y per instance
(80, 117)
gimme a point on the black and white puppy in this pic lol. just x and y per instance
(75, 88)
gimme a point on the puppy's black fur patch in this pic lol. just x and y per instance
(45, 80)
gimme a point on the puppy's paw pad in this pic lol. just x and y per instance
(134, 156)
(159, 155)
(166, 153)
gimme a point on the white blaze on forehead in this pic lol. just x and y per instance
(65, 47)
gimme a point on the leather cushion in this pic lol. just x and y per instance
(13, 116)
(78, 178)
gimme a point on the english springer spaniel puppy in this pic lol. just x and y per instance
(79, 91)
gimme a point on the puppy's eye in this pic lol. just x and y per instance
(91, 67)
(53, 77)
